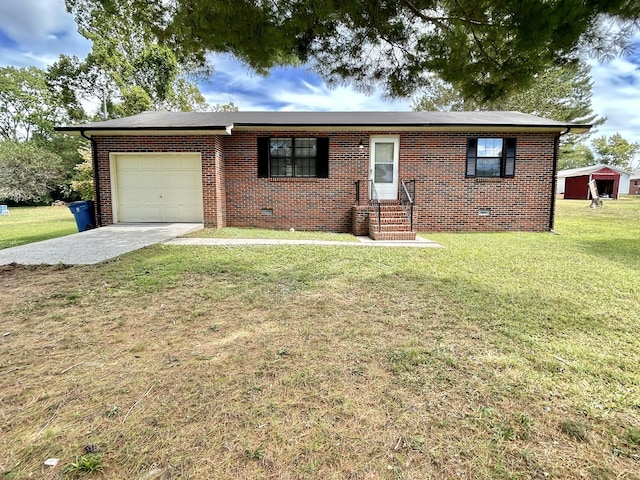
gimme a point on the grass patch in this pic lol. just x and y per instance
(32, 224)
(633, 436)
(486, 359)
(576, 430)
(85, 465)
(236, 232)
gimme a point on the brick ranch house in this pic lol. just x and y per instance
(386, 174)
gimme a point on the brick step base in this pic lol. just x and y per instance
(390, 228)
(389, 214)
(394, 224)
(390, 221)
(391, 236)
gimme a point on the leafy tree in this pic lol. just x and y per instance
(29, 109)
(227, 107)
(82, 181)
(126, 85)
(127, 69)
(58, 78)
(76, 81)
(134, 100)
(485, 48)
(27, 106)
(575, 155)
(616, 151)
(443, 97)
(562, 92)
(28, 172)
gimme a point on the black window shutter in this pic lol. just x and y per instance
(472, 153)
(322, 160)
(263, 157)
(510, 157)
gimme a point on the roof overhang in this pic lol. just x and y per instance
(223, 123)
(102, 132)
(408, 128)
(152, 131)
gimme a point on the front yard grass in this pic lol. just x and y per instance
(508, 356)
(235, 232)
(32, 224)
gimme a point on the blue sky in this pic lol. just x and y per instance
(35, 32)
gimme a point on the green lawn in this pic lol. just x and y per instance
(32, 224)
(234, 232)
(509, 356)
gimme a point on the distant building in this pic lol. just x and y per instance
(634, 183)
(611, 182)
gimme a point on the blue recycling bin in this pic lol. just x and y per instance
(83, 213)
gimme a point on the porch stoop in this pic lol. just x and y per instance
(394, 224)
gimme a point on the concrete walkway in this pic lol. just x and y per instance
(95, 246)
(419, 242)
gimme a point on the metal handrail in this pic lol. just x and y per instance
(407, 198)
(375, 202)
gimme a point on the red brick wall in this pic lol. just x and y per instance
(445, 199)
(300, 203)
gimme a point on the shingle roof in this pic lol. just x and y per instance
(226, 121)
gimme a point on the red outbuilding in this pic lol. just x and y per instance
(574, 183)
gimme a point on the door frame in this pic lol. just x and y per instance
(385, 193)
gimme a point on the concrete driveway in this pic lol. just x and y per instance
(95, 246)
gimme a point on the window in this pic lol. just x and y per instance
(293, 157)
(491, 157)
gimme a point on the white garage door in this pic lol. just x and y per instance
(158, 187)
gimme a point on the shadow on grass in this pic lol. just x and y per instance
(620, 250)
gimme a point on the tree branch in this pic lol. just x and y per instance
(440, 20)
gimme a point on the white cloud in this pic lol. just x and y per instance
(340, 98)
(35, 32)
(32, 21)
(616, 94)
(292, 89)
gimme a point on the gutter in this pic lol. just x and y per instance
(157, 130)
(96, 177)
(556, 147)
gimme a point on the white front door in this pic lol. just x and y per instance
(384, 166)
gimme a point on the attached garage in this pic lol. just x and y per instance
(156, 187)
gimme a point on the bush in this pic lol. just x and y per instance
(28, 173)
(82, 181)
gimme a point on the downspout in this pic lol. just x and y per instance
(96, 177)
(556, 147)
